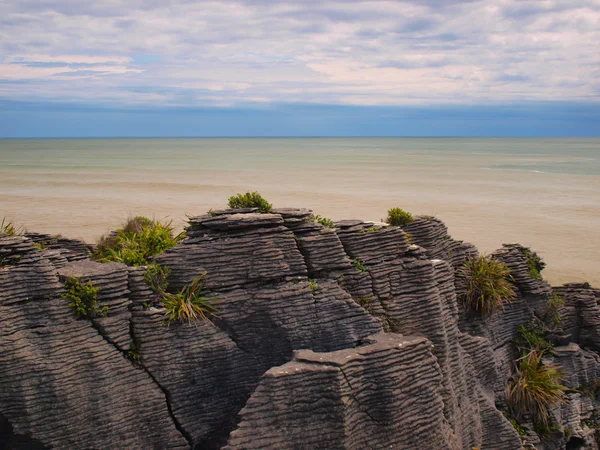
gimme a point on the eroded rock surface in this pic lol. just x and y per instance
(349, 337)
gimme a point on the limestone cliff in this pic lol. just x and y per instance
(345, 338)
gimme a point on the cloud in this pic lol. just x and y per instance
(185, 53)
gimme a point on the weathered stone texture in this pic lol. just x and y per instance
(385, 394)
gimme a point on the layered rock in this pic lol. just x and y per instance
(62, 384)
(384, 394)
(346, 337)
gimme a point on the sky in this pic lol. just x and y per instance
(300, 68)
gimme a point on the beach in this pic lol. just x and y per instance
(542, 193)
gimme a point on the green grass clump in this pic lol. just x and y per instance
(532, 336)
(323, 221)
(399, 217)
(359, 265)
(517, 426)
(83, 299)
(314, 286)
(250, 200)
(534, 389)
(487, 284)
(188, 305)
(135, 243)
(534, 263)
(156, 276)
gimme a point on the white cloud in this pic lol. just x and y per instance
(359, 52)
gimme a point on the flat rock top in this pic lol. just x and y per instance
(374, 343)
(87, 268)
(236, 221)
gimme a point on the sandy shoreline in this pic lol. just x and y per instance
(555, 214)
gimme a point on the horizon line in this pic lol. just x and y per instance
(297, 137)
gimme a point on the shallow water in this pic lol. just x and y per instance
(543, 193)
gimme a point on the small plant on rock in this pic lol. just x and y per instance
(359, 265)
(250, 200)
(532, 336)
(487, 284)
(534, 263)
(156, 276)
(135, 243)
(314, 286)
(83, 299)
(399, 217)
(555, 302)
(7, 227)
(535, 388)
(322, 220)
(188, 304)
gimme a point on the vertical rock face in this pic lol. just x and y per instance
(62, 384)
(344, 338)
(383, 394)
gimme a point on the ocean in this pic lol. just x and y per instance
(542, 193)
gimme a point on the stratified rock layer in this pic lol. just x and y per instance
(350, 337)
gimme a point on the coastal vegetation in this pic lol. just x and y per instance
(189, 305)
(399, 217)
(534, 263)
(553, 317)
(250, 200)
(533, 337)
(136, 242)
(487, 284)
(7, 227)
(359, 265)
(534, 389)
(323, 221)
(83, 299)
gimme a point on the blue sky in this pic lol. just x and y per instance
(303, 68)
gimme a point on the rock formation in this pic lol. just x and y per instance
(345, 338)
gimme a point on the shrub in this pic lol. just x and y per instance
(399, 217)
(83, 299)
(535, 388)
(487, 284)
(359, 265)
(156, 276)
(188, 305)
(534, 263)
(250, 200)
(532, 336)
(555, 302)
(135, 243)
(323, 221)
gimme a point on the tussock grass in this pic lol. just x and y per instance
(136, 242)
(189, 305)
(399, 217)
(487, 284)
(535, 388)
(250, 200)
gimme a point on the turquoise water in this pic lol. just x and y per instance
(569, 156)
